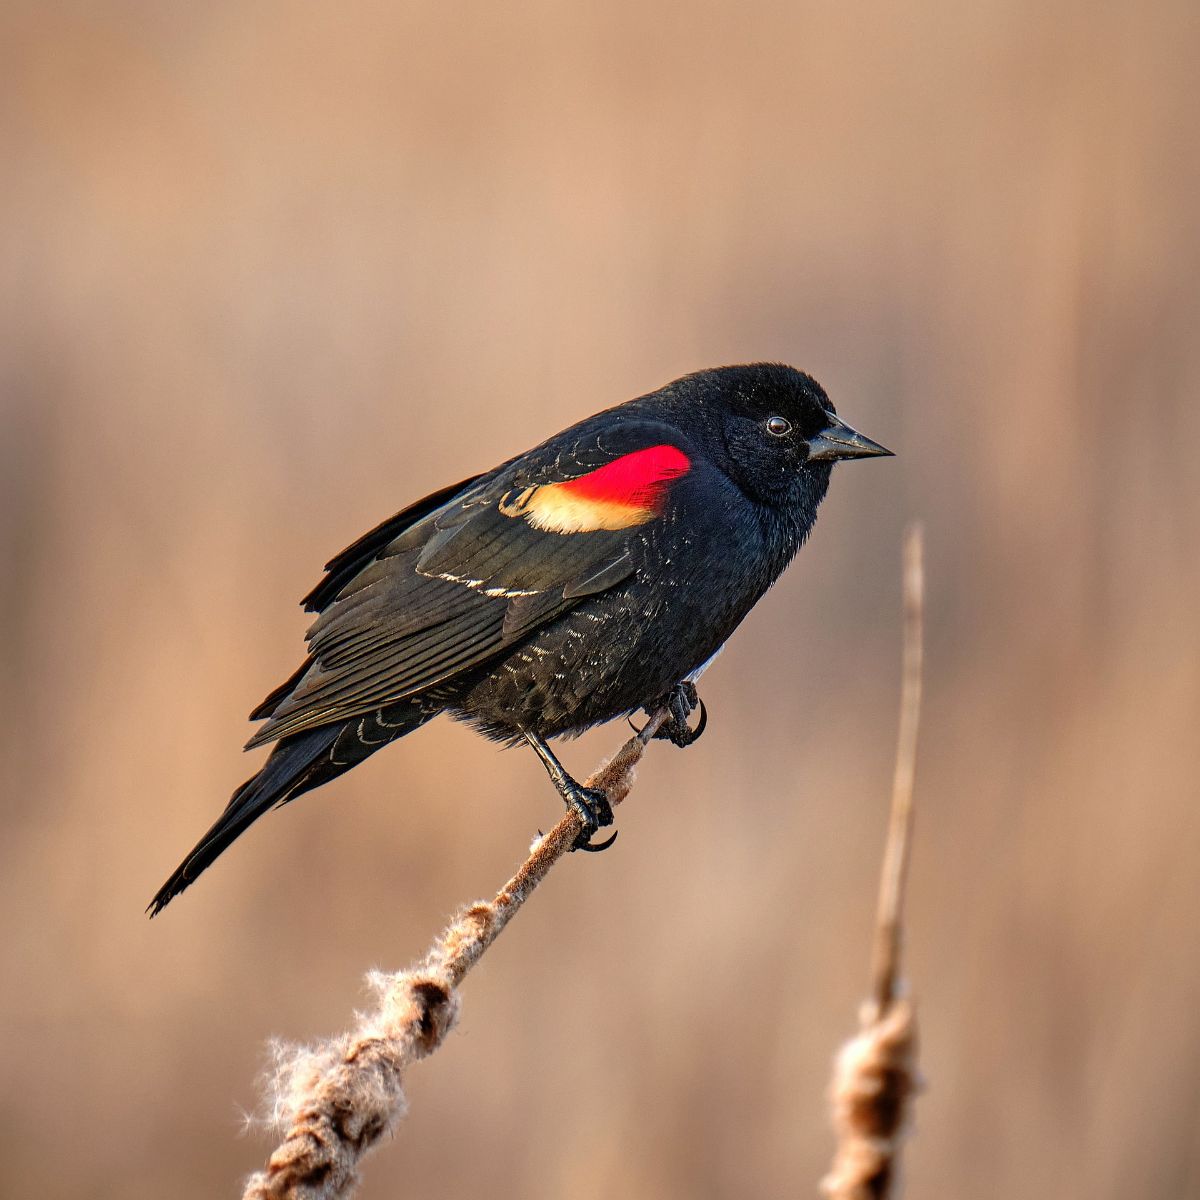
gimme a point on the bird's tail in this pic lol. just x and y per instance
(297, 764)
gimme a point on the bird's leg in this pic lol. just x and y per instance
(589, 804)
(680, 702)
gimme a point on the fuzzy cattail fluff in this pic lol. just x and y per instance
(337, 1099)
(874, 1079)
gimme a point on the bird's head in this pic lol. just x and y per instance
(771, 427)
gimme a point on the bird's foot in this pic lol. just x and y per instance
(592, 807)
(680, 702)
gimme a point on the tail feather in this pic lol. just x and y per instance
(276, 782)
(297, 764)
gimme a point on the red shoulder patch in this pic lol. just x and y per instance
(625, 492)
(636, 479)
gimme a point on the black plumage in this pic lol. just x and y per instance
(588, 578)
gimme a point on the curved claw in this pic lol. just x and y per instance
(681, 704)
(584, 842)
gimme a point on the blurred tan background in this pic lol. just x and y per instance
(270, 271)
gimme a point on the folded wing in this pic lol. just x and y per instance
(460, 578)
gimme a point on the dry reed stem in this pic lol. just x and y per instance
(875, 1075)
(334, 1100)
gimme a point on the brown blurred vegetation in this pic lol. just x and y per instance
(271, 270)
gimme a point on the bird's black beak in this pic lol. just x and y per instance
(838, 440)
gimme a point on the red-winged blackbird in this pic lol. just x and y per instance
(596, 575)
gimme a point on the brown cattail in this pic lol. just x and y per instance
(875, 1075)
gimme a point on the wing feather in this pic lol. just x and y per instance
(343, 567)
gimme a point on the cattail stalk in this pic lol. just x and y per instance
(334, 1100)
(875, 1075)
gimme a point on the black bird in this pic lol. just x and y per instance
(593, 576)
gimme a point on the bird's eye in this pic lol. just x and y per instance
(779, 426)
